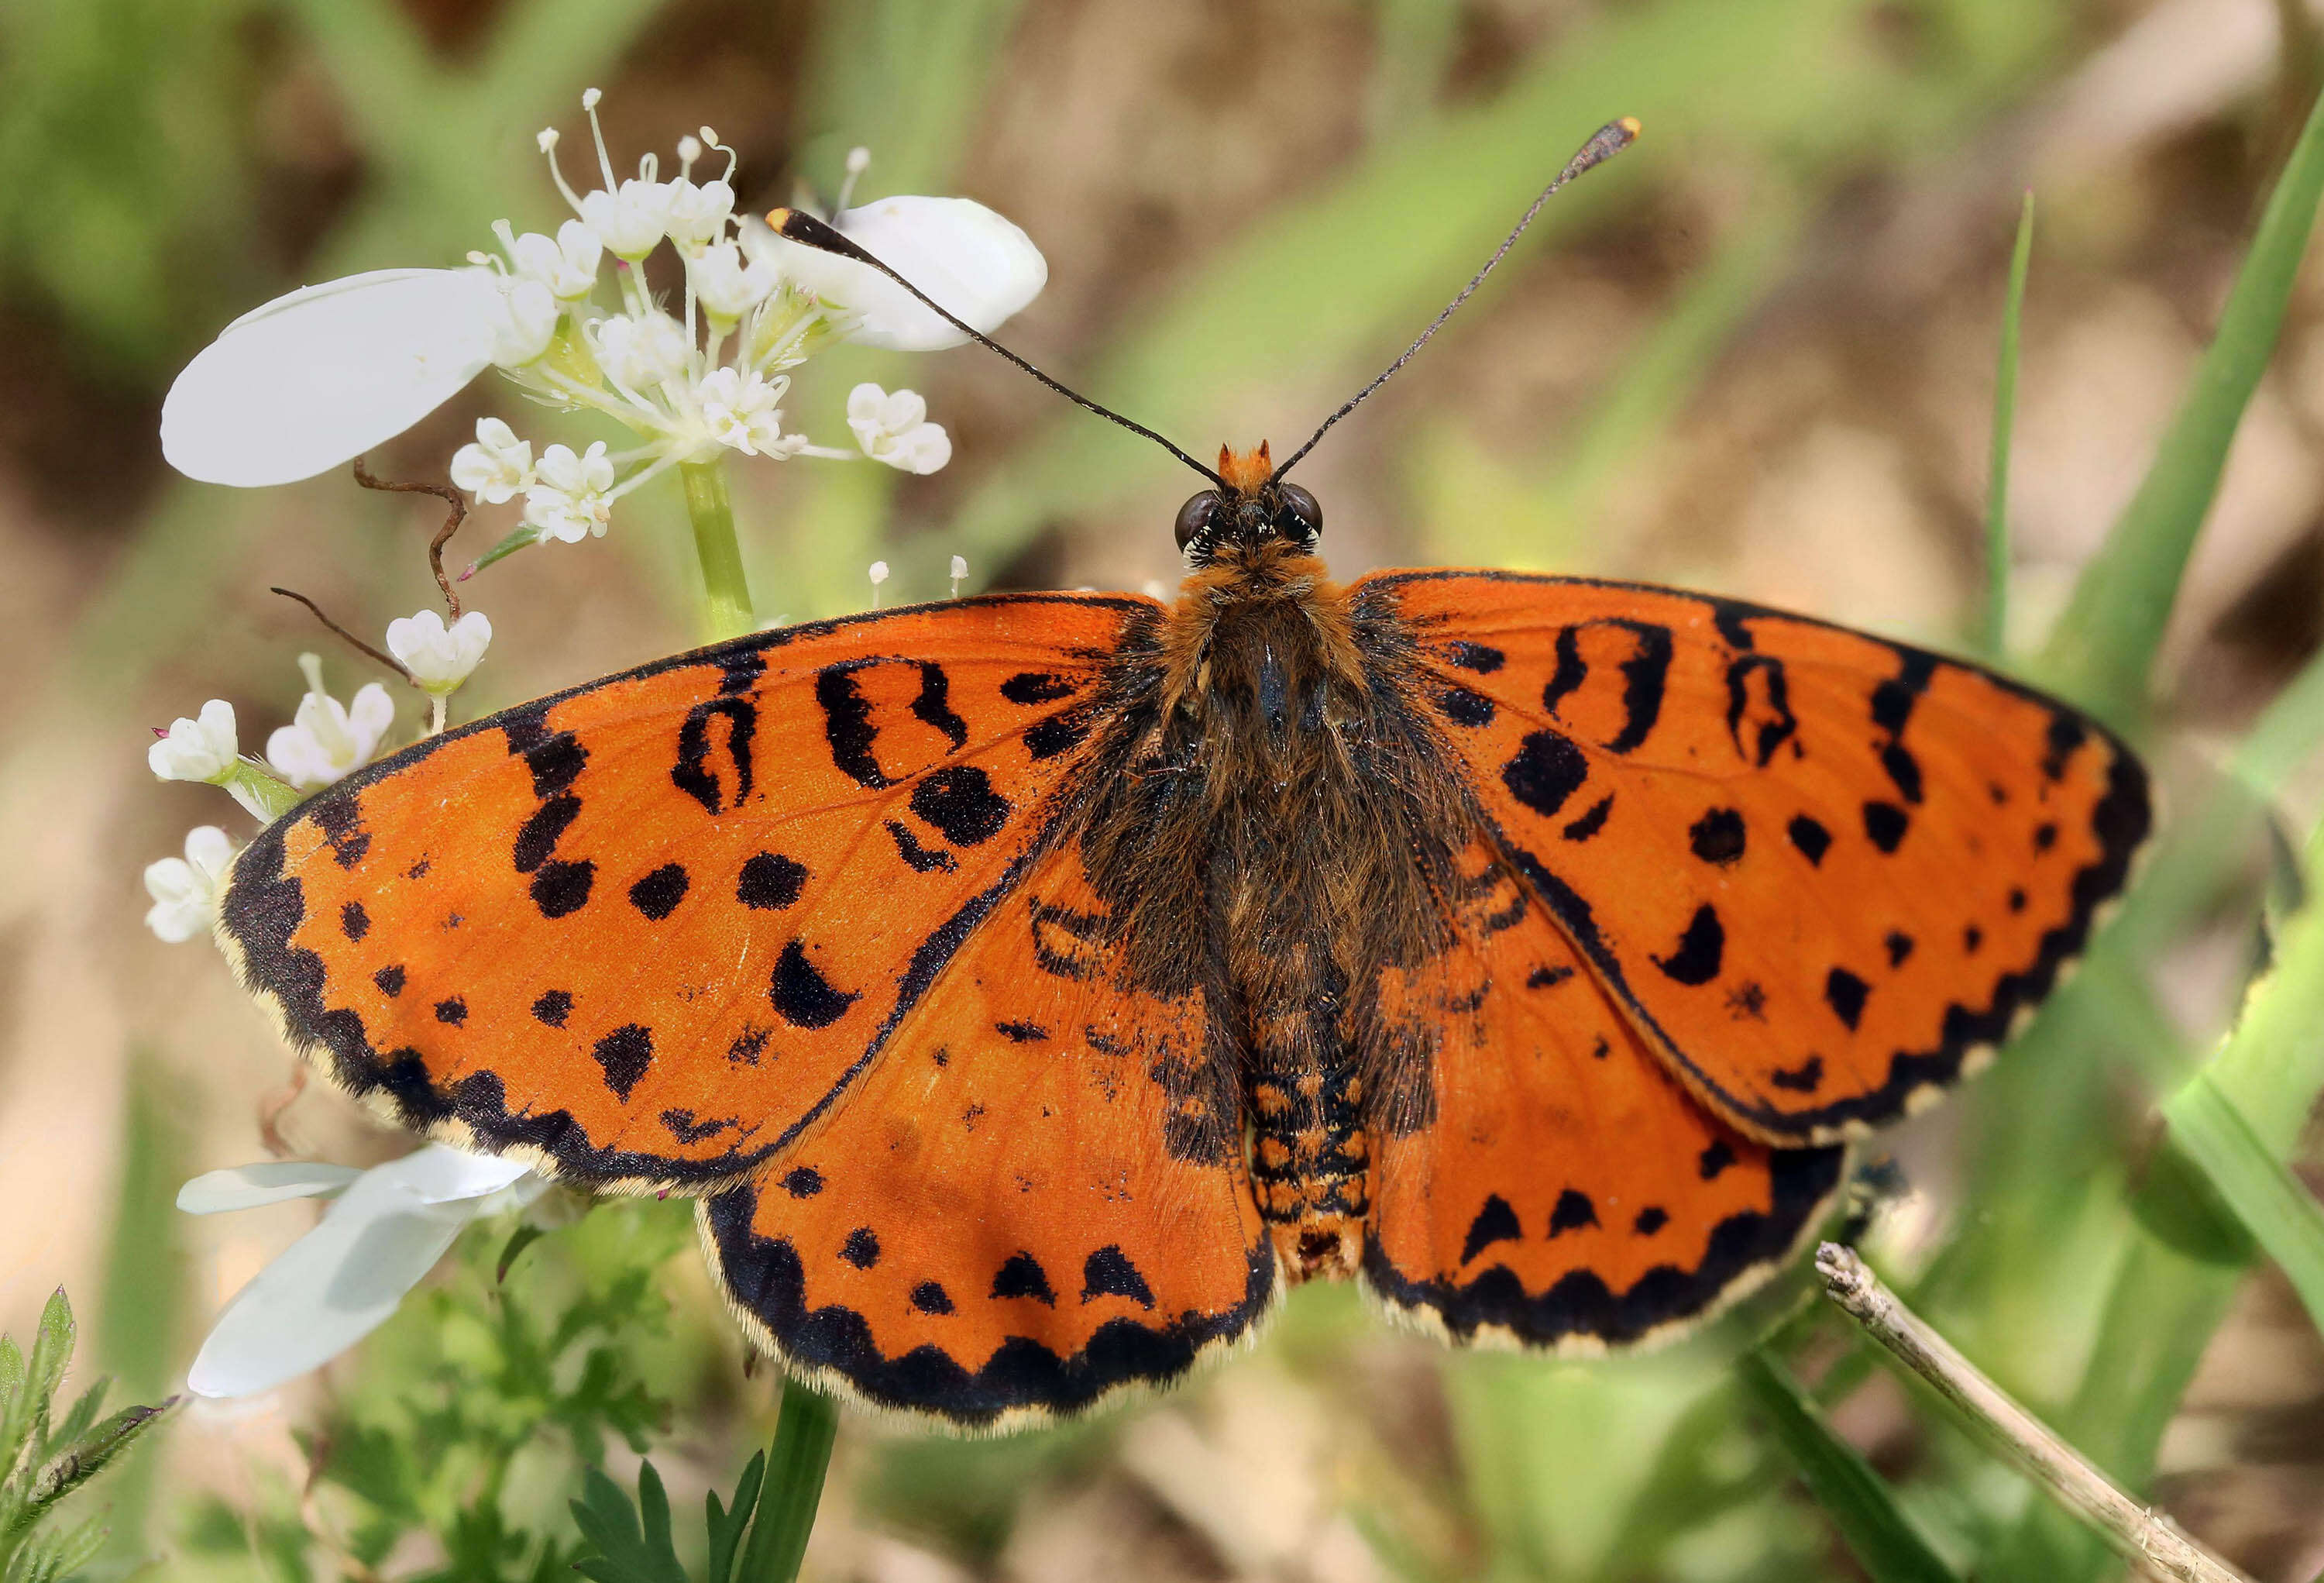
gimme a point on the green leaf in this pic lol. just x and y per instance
(627, 1552)
(12, 1374)
(2103, 648)
(1994, 635)
(726, 1528)
(794, 1485)
(2271, 1204)
(58, 1553)
(83, 1460)
(1857, 1500)
(52, 1348)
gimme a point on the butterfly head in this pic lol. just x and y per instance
(1251, 507)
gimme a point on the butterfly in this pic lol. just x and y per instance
(1033, 988)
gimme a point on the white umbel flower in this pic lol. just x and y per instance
(894, 428)
(566, 264)
(496, 466)
(439, 657)
(981, 266)
(696, 215)
(741, 412)
(341, 1280)
(641, 352)
(571, 498)
(318, 377)
(725, 286)
(201, 749)
(327, 739)
(185, 890)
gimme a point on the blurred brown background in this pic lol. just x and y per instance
(1755, 354)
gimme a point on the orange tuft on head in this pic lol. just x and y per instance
(1246, 473)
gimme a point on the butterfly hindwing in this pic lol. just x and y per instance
(1035, 1198)
(1823, 873)
(645, 932)
(1549, 1183)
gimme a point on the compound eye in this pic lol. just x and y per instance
(1301, 517)
(1201, 514)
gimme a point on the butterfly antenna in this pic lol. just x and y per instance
(1604, 143)
(800, 226)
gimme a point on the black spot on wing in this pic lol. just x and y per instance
(1496, 1222)
(1651, 1219)
(452, 1013)
(959, 802)
(861, 1248)
(2066, 733)
(625, 1053)
(1483, 659)
(1900, 946)
(1717, 837)
(1884, 824)
(748, 1046)
(1021, 1276)
(802, 1181)
(1108, 1272)
(1036, 687)
(1058, 734)
(336, 816)
(1811, 837)
(1573, 1211)
(1021, 1033)
(1699, 951)
(770, 882)
(930, 1298)
(561, 888)
(354, 922)
(553, 1007)
(847, 726)
(1546, 771)
(1592, 820)
(1760, 718)
(1464, 707)
(389, 981)
(720, 781)
(682, 1125)
(1803, 1079)
(916, 857)
(1547, 977)
(657, 895)
(1845, 993)
(537, 838)
(802, 996)
(1714, 1159)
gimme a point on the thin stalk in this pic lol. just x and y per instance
(2146, 1536)
(796, 1465)
(1994, 637)
(726, 593)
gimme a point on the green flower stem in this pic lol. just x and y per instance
(726, 593)
(1992, 634)
(796, 1465)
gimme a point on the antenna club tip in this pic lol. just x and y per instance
(1631, 124)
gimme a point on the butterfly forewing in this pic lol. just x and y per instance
(648, 931)
(1824, 874)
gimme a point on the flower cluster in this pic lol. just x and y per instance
(326, 740)
(319, 376)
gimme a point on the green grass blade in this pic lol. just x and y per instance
(1859, 1501)
(794, 1486)
(1994, 634)
(2103, 648)
(2281, 1214)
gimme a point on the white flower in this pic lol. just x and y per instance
(523, 321)
(641, 352)
(895, 429)
(566, 264)
(739, 411)
(631, 219)
(341, 1280)
(318, 377)
(570, 497)
(185, 889)
(724, 286)
(439, 658)
(696, 214)
(495, 465)
(201, 749)
(978, 264)
(327, 739)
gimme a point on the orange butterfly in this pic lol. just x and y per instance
(1034, 986)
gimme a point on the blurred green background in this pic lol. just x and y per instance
(1757, 354)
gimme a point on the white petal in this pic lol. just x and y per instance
(441, 1175)
(977, 263)
(210, 849)
(321, 375)
(246, 1187)
(328, 1290)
